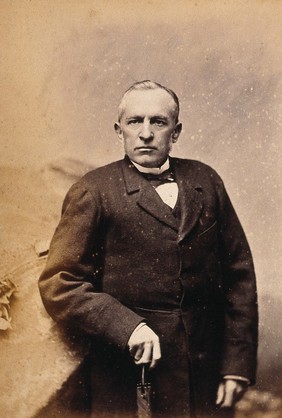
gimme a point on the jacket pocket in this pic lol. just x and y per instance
(208, 229)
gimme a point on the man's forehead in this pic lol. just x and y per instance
(154, 99)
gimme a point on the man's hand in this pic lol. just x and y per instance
(229, 392)
(144, 346)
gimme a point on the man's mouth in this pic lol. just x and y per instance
(145, 148)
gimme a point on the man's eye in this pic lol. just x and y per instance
(159, 123)
(133, 122)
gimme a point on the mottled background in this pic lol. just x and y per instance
(64, 66)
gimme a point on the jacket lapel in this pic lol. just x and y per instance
(151, 202)
(147, 198)
(190, 196)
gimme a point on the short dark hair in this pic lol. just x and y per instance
(148, 85)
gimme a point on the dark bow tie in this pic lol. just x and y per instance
(157, 179)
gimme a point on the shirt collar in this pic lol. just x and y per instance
(152, 170)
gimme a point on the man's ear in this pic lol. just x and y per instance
(176, 132)
(118, 131)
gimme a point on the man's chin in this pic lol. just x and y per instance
(146, 161)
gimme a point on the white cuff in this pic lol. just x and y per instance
(235, 377)
(139, 326)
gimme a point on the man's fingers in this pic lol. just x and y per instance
(220, 394)
(241, 390)
(138, 353)
(156, 354)
(229, 392)
(229, 396)
(144, 346)
(146, 355)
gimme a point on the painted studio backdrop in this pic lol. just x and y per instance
(64, 66)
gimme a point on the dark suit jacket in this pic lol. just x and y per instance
(119, 255)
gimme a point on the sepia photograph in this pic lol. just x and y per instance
(140, 242)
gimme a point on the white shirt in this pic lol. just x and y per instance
(168, 192)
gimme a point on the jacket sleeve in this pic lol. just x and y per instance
(240, 296)
(70, 283)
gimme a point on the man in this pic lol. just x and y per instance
(156, 271)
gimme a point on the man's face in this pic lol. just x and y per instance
(148, 127)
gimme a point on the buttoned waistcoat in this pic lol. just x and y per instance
(120, 256)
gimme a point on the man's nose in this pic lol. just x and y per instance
(146, 132)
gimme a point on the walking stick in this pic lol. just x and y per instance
(144, 395)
